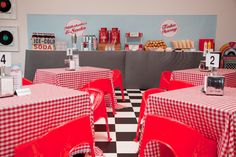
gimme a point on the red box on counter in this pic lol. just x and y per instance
(202, 41)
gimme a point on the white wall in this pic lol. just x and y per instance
(224, 9)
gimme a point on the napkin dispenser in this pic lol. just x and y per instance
(214, 85)
(6, 86)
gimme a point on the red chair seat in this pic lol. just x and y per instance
(59, 141)
(181, 139)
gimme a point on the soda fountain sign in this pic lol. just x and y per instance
(75, 26)
(169, 28)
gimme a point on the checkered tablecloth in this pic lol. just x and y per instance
(196, 77)
(25, 118)
(213, 116)
(73, 79)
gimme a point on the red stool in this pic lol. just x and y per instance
(181, 139)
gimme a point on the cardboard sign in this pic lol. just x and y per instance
(75, 26)
(169, 28)
(23, 92)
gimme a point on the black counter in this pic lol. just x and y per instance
(139, 69)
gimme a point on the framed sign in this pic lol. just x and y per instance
(7, 9)
(8, 38)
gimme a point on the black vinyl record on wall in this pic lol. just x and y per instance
(5, 5)
(6, 37)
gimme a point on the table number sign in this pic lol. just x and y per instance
(5, 59)
(213, 60)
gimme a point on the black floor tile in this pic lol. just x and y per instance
(125, 121)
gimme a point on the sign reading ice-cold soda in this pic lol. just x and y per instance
(43, 41)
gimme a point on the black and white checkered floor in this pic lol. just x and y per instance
(122, 127)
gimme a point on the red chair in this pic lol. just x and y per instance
(59, 142)
(104, 85)
(98, 106)
(181, 139)
(176, 84)
(165, 80)
(26, 82)
(143, 106)
(117, 81)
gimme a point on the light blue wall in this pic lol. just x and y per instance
(189, 26)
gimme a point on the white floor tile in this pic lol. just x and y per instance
(127, 147)
(102, 136)
(135, 100)
(110, 155)
(125, 115)
(126, 127)
(135, 94)
(136, 109)
(102, 121)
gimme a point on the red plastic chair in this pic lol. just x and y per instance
(165, 80)
(176, 84)
(26, 82)
(98, 106)
(181, 139)
(143, 106)
(104, 85)
(59, 142)
(117, 81)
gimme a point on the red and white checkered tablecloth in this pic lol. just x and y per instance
(25, 118)
(213, 116)
(73, 79)
(196, 77)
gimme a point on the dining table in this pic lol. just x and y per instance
(75, 79)
(213, 116)
(28, 117)
(195, 76)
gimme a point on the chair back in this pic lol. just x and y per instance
(60, 141)
(98, 105)
(165, 80)
(116, 77)
(181, 139)
(143, 106)
(104, 85)
(97, 102)
(176, 84)
(25, 81)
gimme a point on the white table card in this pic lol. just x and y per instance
(23, 92)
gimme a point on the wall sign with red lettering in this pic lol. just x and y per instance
(169, 28)
(43, 41)
(75, 26)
